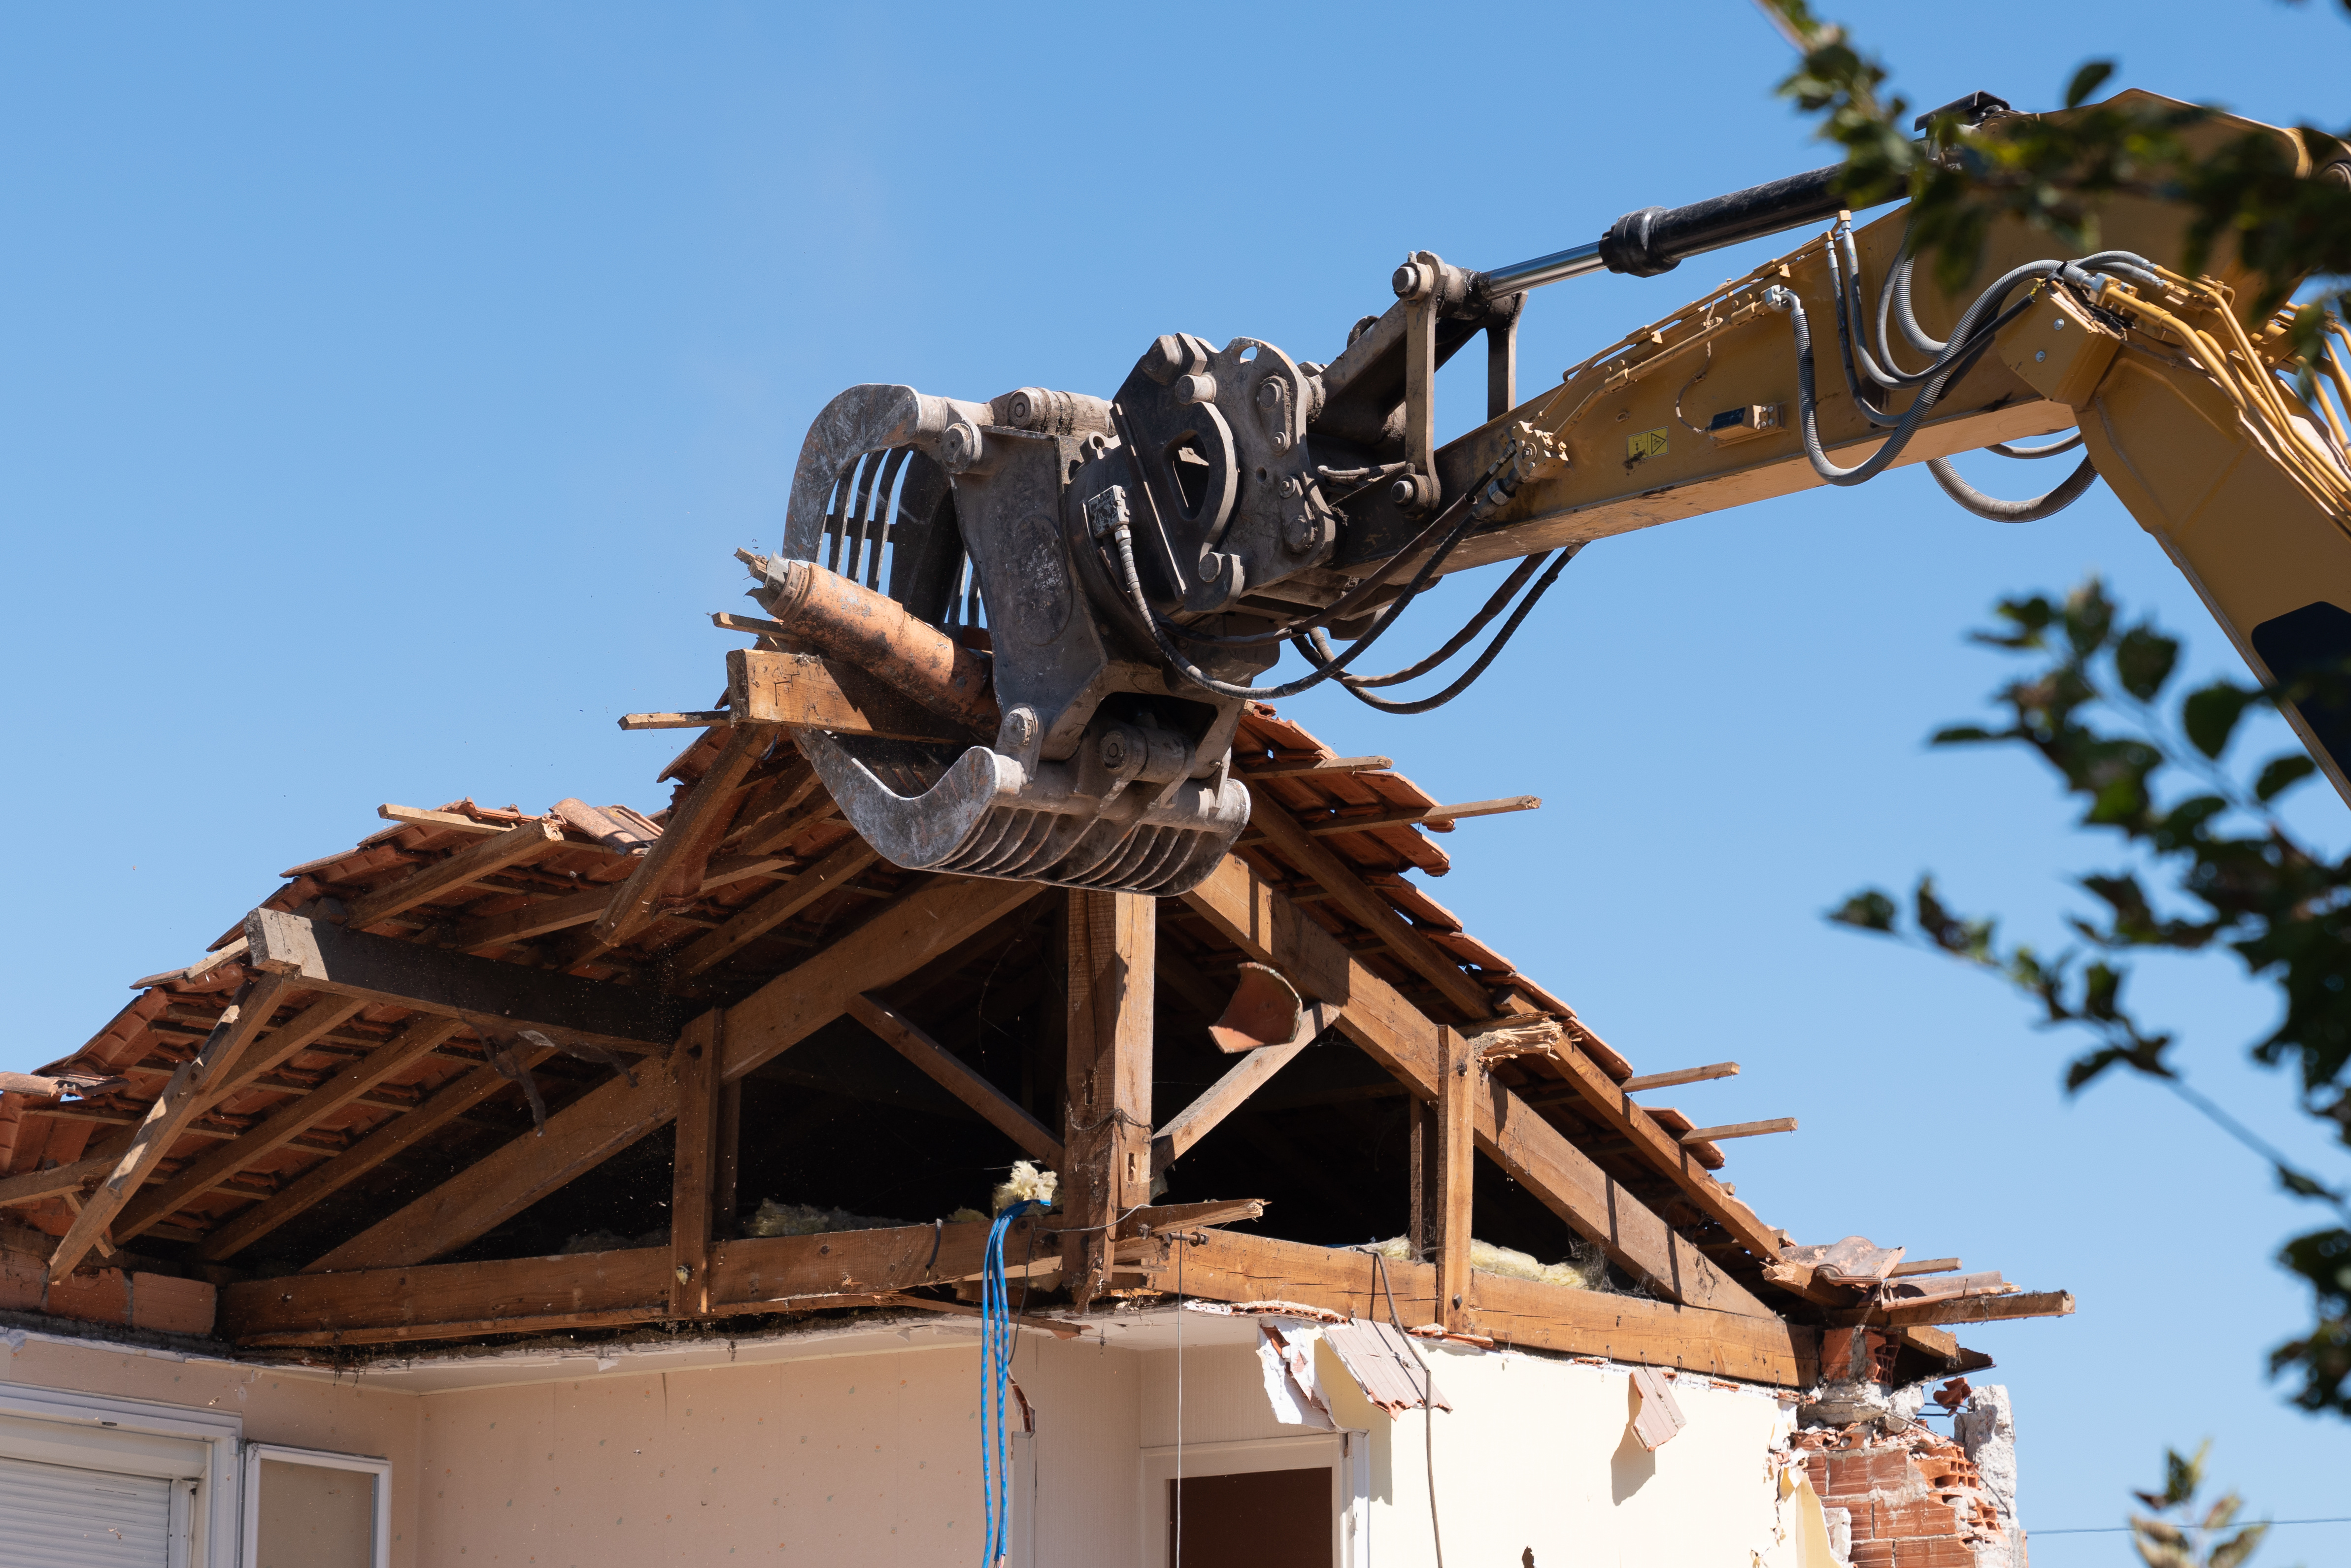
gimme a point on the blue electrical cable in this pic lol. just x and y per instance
(995, 1374)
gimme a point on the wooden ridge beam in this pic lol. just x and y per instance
(524, 841)
(953, 1074)
(933, 917)
(1403, 1039)
(287, 1122)
(496, 998)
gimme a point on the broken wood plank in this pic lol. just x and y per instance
(699, 718)
(755, 625)
(1107, 1126)
(1439, 817)
(1976, 1308)
(936, 915)
(1227, 1094)
(283, 1125)
(1279, 770)
(950, 1073)
(1740, 1130)
(693, 1071)
(1366, 906)
(490, 995)
(808, 691)
(694, 829)
(1925, 1266)
(394, 1138)
(1403, 1039)
(1639, 1081)
(182, 1099)
(521, 842)
(1460, 1088)
(764, 913)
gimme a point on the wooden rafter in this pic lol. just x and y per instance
(182, 1099)
(951, 1073)
(766, 913)
(1227, 1094)
(1405, 1041)
(694, 828)
(297, 1115)
(936, 915)
(523, 841)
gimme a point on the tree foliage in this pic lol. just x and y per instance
(2189, 1539)
(2098, 703)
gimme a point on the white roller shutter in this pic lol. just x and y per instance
(57, 1516)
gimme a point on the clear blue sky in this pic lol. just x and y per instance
(382, 390)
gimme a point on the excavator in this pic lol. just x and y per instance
(1015, 638)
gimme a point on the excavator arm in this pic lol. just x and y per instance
(1073, 597)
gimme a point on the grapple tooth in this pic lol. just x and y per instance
(987, 816)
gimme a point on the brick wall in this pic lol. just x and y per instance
(1916, 1500)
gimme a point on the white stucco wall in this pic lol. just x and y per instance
(863, 1449)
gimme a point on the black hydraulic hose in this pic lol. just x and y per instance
(2004, 449)
(1317, 650)
(1493, 607)
(2030, 511)
(1124, 538)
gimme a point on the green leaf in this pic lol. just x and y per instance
(2209, 716)
(1963, 735)
(2238, 1547)
(2088, 80)
(2089, 617)
(1868, 910)
(2281, 774)
(2183, 1475)
(2144, 659)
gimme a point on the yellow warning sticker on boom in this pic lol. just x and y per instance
(1647, 443)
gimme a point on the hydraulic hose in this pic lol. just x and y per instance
(2066, 493)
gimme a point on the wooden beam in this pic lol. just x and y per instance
(1925, 1266)
(1318, 765)
(726, 1165)
(520, 843)
(504, 1296)
(936, 916)
(178, 1105)
(694, 828)
(922, 923)
(32, 1187)
(1405, 1041)
(1225, 1266)
(1459, 1087)
(1240, 1080)
(287, 1122)
(1425, 1188)
(281, 1045)
(951, 1073)
(693, 1071)
(330, 1176)
(1438, 817)
(1740, 1130)
(764, 913)
(698, 718)
(1971, 1310)
(1366, 907)
(494, 996)
(1107, 1130)
(1633, 1086)
(810, 692)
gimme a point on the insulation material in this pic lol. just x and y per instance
(1285, 1353)
(1027, 1185)
(1575, 1274)
(1659, 1416)
(1385, 1364)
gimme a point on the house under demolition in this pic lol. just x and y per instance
(591, 1187)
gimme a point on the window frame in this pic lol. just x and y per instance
(1347, 1452)
(249, 1496)
(213, 1539)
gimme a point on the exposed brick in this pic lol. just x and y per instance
(1872, 1553)
(170, 1305)
(96, 1296)
(1917, 1517)
(1939, 1552)
(22, 1280)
